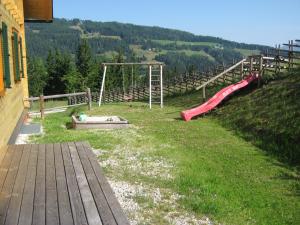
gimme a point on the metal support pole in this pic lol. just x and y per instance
(150, 86)
(161, 88)
(102, 85)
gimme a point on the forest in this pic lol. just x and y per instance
(65, 56)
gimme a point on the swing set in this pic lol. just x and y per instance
(154, 72)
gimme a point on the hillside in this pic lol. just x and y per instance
(269, 117)
(176, 48)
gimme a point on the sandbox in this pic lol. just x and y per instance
(100, 122)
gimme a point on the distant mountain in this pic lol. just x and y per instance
(174, 47)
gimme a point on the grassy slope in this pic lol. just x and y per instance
(219, 174)
(269, 116)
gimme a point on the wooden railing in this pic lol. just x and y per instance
(43, 103)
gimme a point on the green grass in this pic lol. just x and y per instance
(218, 173)
(269, 116)
(97, 35)
(48, 104)
(167, 42)
(150, 55)
(247, 52)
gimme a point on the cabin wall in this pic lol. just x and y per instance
(12, 102)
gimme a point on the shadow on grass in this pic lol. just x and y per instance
(69, 125)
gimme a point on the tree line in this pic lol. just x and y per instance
(63, 73)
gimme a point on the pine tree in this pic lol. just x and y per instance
(58, 65)
(37, 76)
(84, 61)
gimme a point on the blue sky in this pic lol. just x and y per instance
(257, 21)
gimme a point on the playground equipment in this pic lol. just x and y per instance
(155, 80)
(218, 98)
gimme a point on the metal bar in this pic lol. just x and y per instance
(161, 88)
(102, 86)
(150, 86)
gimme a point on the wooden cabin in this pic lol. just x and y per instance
(13, 70)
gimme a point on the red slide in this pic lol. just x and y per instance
(217, 98)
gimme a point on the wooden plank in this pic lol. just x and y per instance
(52, 217)
(108, 192)
(99, 197)
(39, 205)
(65, 211)
(221, 74)
(3, 151)
(4, 167)
(13, 211)
(9, 182)
(26, 210)
(86, 195)
(79, 216)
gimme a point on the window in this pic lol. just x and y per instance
(21, 58)
(2, 88)
(15, 45)
(5, 56)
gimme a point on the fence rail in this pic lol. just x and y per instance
(44, 104)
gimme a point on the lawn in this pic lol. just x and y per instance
(167, 42)
(213, 172)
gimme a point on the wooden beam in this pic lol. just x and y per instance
(221, 74)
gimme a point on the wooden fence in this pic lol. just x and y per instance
(272, 61)
(48, 103)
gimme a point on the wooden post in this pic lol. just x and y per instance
(261, 61)
(42, 106)
(204, 94)
(260, 70)
(89, 98)
(279, 58)
(31, 102)
(242, 71)
(289, 54)
(292, 53)
(251, 64)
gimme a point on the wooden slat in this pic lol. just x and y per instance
(79, 216)
(5, 164)
(52, 217)
(108, 192)
(39, 212)
(86, 195)
(9, 182)
(99, 197)
(13, 211)
(3, 151)
(26, 211)
(65, 212)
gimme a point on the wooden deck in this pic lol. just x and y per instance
(55, 184)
